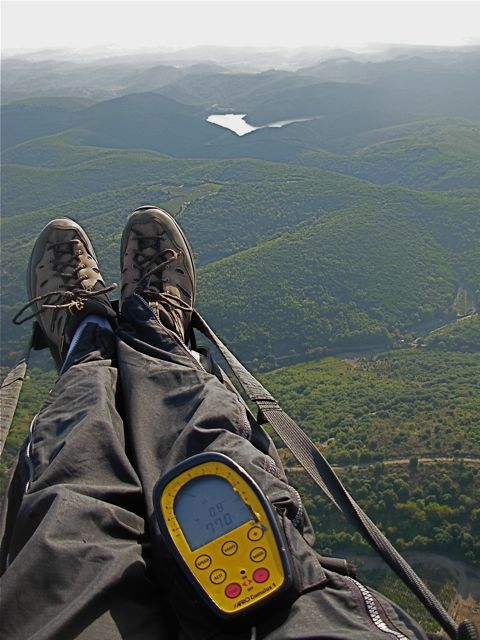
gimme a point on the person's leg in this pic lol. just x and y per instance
(74, 544)
(175, 409)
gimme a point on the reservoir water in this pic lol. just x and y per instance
(236, 123)
(233, 121)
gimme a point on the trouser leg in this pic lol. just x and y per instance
(75, 544)
(176, 409)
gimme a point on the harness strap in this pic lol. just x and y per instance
(319, 469)
(304, 450)
(9, 393)
(13, 382)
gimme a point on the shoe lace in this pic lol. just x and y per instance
(160, 260)
(74, 297)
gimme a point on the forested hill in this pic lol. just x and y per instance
(353, 232)
(355, 228)
(357, 263)
(364, 216)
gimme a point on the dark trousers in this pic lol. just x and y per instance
(80, 545)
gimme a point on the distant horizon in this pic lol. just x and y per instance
(113, 50)
(180, 25)
(239, 59)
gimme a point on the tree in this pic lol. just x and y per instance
(413, 464)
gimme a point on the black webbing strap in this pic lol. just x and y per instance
(13, 382)
(9, 394)
(322, 473)
(302, 448)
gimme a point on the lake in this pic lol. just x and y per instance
(236, 123)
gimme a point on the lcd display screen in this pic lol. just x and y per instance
(208, 507)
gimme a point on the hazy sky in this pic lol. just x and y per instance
(28, 24)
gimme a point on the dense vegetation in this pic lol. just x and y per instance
(425, 507)
(423, 403)
(358, 264)
(354, 234)
(431, 154)
(404, 428)
(438, 579)
(363, 254)
(463, 336)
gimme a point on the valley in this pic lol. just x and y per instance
(338, 256)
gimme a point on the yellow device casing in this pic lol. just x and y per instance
(236, 571)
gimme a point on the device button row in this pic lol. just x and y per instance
(261, 575)
(229, 548)
(255, 533)
(258, 554)
(218, 576)
(233, 590)
(203, 562)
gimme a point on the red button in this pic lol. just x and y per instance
(261, 575)
(233, 590)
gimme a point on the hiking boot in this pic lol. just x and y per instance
(64, 284)
(157, 263)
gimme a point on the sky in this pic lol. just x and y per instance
(33, 25)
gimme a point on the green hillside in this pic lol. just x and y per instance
(35, 117)
(59, 150)
(227, 91)
(426, 506)
(102, 215)
(463, 336)
(403, 427)
(338, 257)
(356, 263)
(457, 133)
(356, 277)
(29, 188)
(421, 401)
(436, 154)
(432, 154)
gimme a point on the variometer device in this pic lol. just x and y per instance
(224, 534)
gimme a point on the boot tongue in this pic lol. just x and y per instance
(181, 318)
(169, 317)
(147, 248)
(174, 319)
(65, 253)
(147, 243)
